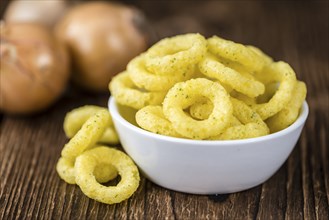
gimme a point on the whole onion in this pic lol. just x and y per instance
(34, 68)
(46, 12)
(102, 38)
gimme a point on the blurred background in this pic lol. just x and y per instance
(246, 21)
(293, 31)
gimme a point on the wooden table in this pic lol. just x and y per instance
(296, 32)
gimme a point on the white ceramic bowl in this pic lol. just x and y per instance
(205, 167)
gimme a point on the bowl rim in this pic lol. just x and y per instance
(112, 106)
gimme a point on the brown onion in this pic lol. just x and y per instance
(102, 38)
(34, 68)
(36, 11)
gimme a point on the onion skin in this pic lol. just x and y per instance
(34, 68)
(43, 12)
(102, 38)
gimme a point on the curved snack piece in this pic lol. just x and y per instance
(212, 68)
(201, 109)
(290, 112)
(85, 165)
(267, 59)
(87, 136)
(65, 169)
(276, 72)
(246, 99)
(74, 120)
(176, 54)
(145, 79)
(103, 173)
(236, 52)
(126, 93)
(252, 125)
(151, 118)
(184, 94)
(270, 90)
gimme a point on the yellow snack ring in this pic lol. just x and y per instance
(184, 94)
(128, 171)
(236, 52)
(65, 169)
(290, 112)
(270, 90)
(252, 124)
(246, 99)
(277, 72)
(87, 136)
(267, 59)
(74, 120)
(211, 67)
(176, 54)
(125, 93)
(151, 118)
(145, 79)
(109, 136)
(201, 109)
(103, 172)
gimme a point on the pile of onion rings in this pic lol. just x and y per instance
(191, 87)
(87, 164)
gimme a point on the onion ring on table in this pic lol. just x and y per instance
(290, 112)
(211, 67)
(65, 169)
(87, 136)
(276, 72)
(85, 179)
(252, 124)
(145, 79)
(74, 120)
(151, 118)
(125, 93)
(184, 94)
(236, 52)
(174, 55)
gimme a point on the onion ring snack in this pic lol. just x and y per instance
(65, 169)
(151, 118)
(126, 93)
(145, 79)
(267, 60)
(173, 86)
(85, 179)
(277, 72)
(288, 114)
(236, 52)
(74, 120)
(252, 124)
(87, 136)
(211, 67)
(184, 94)
(176, 55)
(201, 109)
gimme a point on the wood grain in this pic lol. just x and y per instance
(294, 31)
